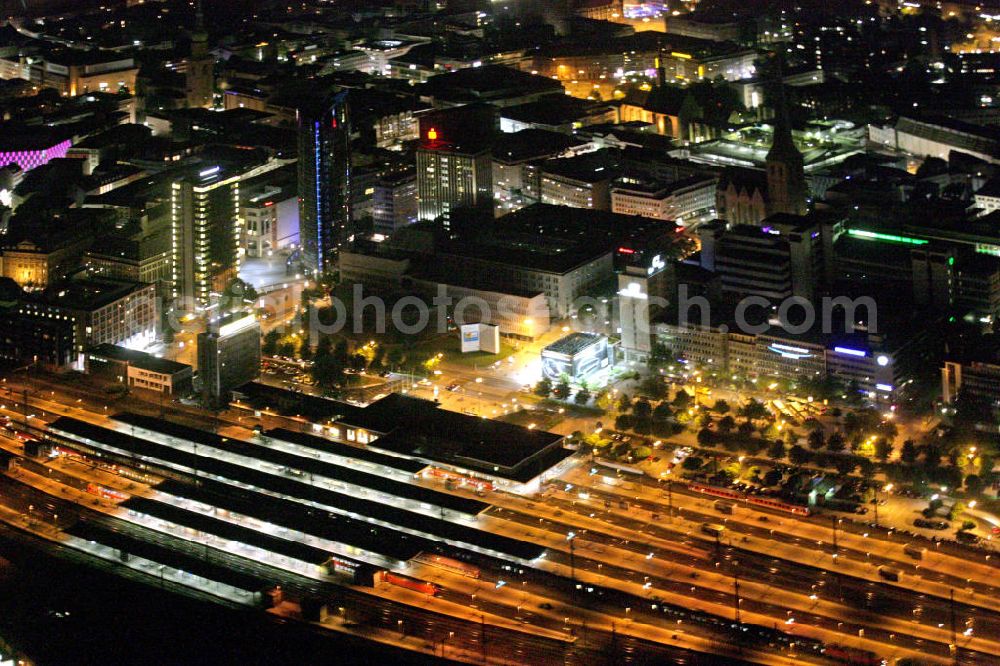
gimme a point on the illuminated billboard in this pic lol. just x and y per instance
(479, 337)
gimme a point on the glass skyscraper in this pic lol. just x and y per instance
(324, 180)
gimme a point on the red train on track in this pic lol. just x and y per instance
(764, 502)
(410, 583)
(106, 493)
(853, 656)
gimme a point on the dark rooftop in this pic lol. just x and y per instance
(88, 294)
(531, 144)
(197, 565)
(346, 450)
(138, 359)
(489, 82)
(590, 167)
(15, 137)
(333, 527)
(574, 343)
(230, 531)
(555, 110)
(420, 428)
(648, 41)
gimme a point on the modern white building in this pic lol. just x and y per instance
(686, 201)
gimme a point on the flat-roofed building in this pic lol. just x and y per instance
(394, 204)
(685, 201)
(979, 380)
(784, 257)
(517, 165)
(228, 355)
(454, 164)
(583, 181)
(75, 72)
(689, 58)
(205, 220)
(138, 369)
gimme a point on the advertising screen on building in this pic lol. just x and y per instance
(469, 334)
(480, 337)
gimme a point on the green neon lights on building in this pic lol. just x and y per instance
(888, 238)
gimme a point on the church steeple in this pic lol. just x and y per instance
(200, 65)
(787, 191)
(199, 38)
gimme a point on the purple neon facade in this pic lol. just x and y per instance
(29, 159)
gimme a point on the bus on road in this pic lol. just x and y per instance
(889, 573)
(723, 506)
(712, 529)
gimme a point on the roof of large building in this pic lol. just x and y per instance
(15, 138)
(419, 428)
(592, 167)
(532, 144)
(113, 442)
(277, 511)
(957, 133)
(990, 189)
(340, 473)
(139, 359)
(346, 450)
(554, 111)
(574, 343)
(88, 294)
(647, 41)
(195, 564)
(524, 251)
(489, 82)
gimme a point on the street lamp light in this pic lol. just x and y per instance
(571, 537)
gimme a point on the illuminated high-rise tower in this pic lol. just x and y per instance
(324, 177)
(205, 235)
(454, 161)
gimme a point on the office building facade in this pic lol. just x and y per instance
(228, 355)
(205, 231)
(324, 180)
(450, 177)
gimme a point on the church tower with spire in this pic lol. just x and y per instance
(200, 78)
(787, 191)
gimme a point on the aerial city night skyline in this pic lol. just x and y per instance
(500, 332)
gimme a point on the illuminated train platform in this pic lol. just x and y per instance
(282, 460)
(129, 546)
(396, 547)
(294, 489)
(204, 524)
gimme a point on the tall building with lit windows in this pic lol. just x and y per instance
(205, 234)
(324, 179)
(454, 161)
